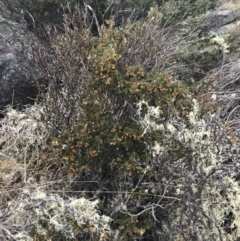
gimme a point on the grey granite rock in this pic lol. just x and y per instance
(223, 17)
(15, 55)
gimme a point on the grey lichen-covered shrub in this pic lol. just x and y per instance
(206, 194)
(41, 215)
(22, 132)
(22, 137)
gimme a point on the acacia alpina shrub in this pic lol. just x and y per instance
(107, 133)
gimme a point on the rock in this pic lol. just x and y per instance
(221, 20)
(223, 17)
(15, 55)
(224, 30)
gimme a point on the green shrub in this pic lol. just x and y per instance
(107, 133)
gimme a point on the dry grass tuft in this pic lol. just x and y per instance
(8, 168)
(10, 174)
(230, 5)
